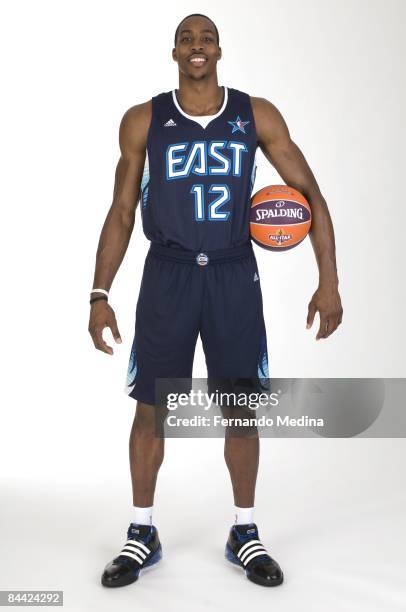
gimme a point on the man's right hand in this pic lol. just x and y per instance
(119, 222)
(101, 316)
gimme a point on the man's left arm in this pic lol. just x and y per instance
(275, 142)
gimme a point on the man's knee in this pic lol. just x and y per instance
(149, 419)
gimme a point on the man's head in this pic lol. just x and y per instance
(197, 49)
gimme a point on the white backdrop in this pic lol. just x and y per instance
(335, 71)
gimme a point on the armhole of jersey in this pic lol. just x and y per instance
(254, 165)
(253, 173)
(253, 120)
(150, 123)
(145, 179)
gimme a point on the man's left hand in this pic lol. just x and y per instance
(326, 300)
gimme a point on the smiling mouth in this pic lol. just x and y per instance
(198, 61)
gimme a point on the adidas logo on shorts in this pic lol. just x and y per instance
(170, 123)
(256, 277)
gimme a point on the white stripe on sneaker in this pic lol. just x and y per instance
(125, 553)
(251, 550)
(140, 544)
(247, 545)
(254, 554)
(136, 550)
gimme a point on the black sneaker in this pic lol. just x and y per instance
(245, 549)
(142, 549)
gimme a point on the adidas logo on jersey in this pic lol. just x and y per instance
(256, 278)
(170, 123)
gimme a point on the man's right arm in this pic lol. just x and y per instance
(119, 222)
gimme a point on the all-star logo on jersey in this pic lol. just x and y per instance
(238, 125)
(170, 123)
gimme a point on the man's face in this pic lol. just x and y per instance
(196, 51)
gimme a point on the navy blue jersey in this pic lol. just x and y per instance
(197, 181)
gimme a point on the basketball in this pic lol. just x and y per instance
(280, 217)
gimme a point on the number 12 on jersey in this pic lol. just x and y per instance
(213, 207)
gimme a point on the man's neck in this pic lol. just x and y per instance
(199, 97)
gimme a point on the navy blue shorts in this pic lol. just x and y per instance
(184, 293)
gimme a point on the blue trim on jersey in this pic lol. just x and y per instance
(253, 174)
(145, 197)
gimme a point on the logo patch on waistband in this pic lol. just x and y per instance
(202, 259)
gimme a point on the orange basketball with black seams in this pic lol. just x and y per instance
(280, 217)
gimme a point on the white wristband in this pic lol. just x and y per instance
(100, 291)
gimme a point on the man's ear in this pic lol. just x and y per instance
(174, 56)
(220, 53)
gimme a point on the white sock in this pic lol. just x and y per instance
(243, 516)
(142, 516)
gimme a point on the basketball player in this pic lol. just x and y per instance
(188, 158)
